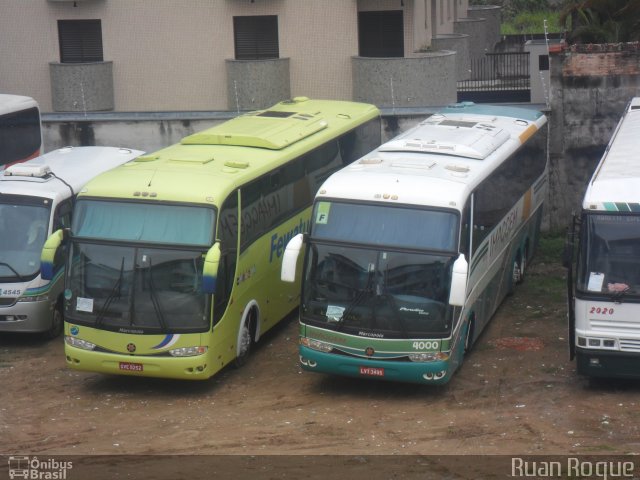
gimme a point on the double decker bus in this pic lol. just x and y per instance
(174, 258)
(412, 248)
(604, 291)
(36, 198)
(20, 129)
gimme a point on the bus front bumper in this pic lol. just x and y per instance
(185, 368)
(609, 364)
(429, 373)
(26, 317)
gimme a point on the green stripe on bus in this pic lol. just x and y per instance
(610, 206)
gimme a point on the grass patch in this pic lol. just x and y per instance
(532, 22)
(550, 248)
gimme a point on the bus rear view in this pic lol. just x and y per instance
(604, 293)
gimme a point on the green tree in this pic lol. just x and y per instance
(601, 21)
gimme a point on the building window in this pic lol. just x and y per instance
(80, 41)
(543, 63)
(381, 33)
(256, 37)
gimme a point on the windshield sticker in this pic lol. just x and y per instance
(322, 214)
(84, 304)
(595, 282)
(334, 313)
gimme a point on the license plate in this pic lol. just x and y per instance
(372, 371)
(130, 367)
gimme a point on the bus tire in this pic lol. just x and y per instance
(468, 337)
(246, 340)
(57, 323)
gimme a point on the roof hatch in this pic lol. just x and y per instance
(272, 129)
(468, 139)
(22, 170)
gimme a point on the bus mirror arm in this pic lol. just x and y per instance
(210, 269)
(49, 250)
(458, 291)
(290, 258)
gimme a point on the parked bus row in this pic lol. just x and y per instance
(397, 255)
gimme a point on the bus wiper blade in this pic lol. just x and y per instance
(111, 296)
(13, 270)
(362, 294)
(154, 299)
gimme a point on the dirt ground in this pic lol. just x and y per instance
(512, 396)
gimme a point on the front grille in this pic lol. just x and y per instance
(629, 345)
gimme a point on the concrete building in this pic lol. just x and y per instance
(233, 55)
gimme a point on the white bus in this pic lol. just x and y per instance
(412, 248)
(36, 198)
(20, 129)
(604, 293)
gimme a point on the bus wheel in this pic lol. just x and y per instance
(523, 266)
(57, 322)
(468, 338)
(245, 340)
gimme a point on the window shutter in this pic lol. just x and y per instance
(381, 33)
(256, 37)
(80, 41)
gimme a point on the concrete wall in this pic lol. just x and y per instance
(590, 87)
(458, 43)
(492, 14)
(474, 27)
(428, 80)
(82, 87)
(256, 84)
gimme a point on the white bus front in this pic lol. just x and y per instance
(25, 304)
(607, 295)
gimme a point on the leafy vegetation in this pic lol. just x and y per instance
(601, 21)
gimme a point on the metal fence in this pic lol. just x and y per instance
(497, 78)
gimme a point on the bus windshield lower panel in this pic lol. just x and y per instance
(136, 289)
(377, 292)
(609, 259)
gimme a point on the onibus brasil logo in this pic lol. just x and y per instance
(33, 468)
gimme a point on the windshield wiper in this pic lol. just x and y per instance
(362, 294)
(13, 270)
(110, 297)
(154, 298)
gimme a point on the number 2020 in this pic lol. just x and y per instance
(601, 311)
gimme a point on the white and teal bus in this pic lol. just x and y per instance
(174, 258)
(412, 248)
(37, 198)
(604, 293)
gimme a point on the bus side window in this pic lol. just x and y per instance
(228, 236)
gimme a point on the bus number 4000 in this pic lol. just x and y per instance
(425, 345)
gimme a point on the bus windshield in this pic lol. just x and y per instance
(24, 222)
(136, 289)
(144, 222)
(377, 292)
(610, 255)
(376, 224)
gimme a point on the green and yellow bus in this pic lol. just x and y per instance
(174, 258)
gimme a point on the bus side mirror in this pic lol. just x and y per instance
(50, 257)
(458, 292)
(290, 258)
(210, 269)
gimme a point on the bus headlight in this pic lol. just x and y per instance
(316, 344)
(428, 357)
(79, 343)
(188, 351)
